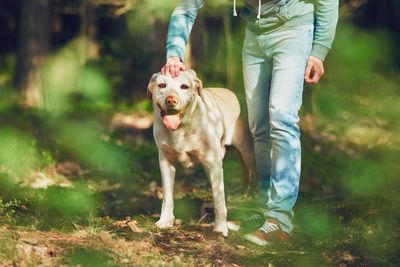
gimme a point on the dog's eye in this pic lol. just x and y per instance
(184, 87)
(162, 85)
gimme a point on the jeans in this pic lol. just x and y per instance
(273, 69)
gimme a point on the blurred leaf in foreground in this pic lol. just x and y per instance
(18, 155)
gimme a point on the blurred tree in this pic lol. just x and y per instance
(370, 13)
(33, 48)
(8, 20)
(131, 36)
(88, 46)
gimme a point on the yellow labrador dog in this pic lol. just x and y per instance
(194, 124)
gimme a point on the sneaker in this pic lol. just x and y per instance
(246, 222)
(269, 232)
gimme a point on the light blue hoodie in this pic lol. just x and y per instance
(262, 16)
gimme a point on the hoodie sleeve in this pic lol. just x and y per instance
(326, 17)
(180, 26)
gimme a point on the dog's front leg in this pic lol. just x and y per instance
(215, 173)
(167, 176)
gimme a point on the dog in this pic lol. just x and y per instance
(193, 125)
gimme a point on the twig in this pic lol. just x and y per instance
(202, 218)
(287, 252)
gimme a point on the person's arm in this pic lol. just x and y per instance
(326, 17)
(179, 28)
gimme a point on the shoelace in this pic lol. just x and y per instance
(269, 227)
(254, 217)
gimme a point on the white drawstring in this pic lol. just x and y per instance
(258, 13)
(234, 8)
(259, 10)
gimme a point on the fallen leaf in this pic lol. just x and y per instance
(128, 223)
(134, 227)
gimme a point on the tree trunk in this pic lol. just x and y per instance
(33, 48)
(88, 46)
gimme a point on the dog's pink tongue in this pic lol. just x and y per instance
(172, 121)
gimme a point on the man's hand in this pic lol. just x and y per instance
(314, 70)
(173, 67)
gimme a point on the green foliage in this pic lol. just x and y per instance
(65, 79)
(18, 154)
(93, 85)
(8, 209)
(66, 202)
(81, 256)
(7, 65)
(368, 178)
(359, 91)
(82, 140)
(318, 225)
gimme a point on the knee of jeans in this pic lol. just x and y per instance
(283, 122)
(259, 132)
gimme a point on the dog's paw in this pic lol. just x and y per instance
(221, 228)
(162, 223)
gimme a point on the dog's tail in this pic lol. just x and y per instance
(243, 142)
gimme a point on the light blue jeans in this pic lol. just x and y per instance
(273, 68)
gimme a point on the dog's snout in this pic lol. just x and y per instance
(171, 101)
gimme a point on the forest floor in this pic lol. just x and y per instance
(69, 213)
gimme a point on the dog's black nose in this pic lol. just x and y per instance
(171, 101)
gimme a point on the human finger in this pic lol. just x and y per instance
(318, 72)
(174, 71)
(307, 73)
(168, 70)
(183, 67)
(163, 70)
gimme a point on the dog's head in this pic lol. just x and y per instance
(173, 95)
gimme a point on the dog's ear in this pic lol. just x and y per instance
(197, 82)
(151, 85)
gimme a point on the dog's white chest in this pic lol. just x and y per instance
(185, 148)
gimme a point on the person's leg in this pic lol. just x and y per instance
(257, 69)
(290, 48)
